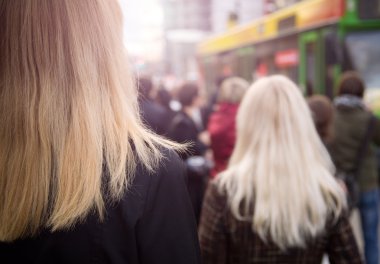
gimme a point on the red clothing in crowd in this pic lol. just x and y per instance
(221, 127)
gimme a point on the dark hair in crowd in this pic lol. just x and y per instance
(187, 93)
(163, 97)
(351, 84)
(145, 86)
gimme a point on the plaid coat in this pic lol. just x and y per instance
(224, 240)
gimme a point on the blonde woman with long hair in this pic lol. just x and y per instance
(277, 201)
(81, 179)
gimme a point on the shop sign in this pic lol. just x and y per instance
(286, 58)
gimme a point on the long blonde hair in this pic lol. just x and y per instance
(68, 111)
(280, 174)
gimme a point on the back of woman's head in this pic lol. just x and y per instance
(163, 97)
(351, 84)
(323, 113)
(232, 90)
(187, 93)
(145, 86)
(68, 110)
(279, 166)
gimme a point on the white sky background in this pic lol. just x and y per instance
(143, 28)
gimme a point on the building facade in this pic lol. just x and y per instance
(186, 22)
(274, 5)
(243, 11)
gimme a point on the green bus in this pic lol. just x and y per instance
(312, 42)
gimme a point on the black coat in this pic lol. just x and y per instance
(183, 129)
(153, 223)
(153, 115)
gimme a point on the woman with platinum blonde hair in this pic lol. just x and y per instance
(277, 201)
(81, 179)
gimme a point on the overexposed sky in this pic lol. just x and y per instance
(143, 23)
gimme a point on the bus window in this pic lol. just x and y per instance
(310, 68)
(369, 9)
(245, 63)
(331, 59)
(364, 51)
(228, 62)
(261, 70)
(208, 70)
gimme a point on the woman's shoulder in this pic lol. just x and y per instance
(216, 188)
(216, 194)
(179, 124)
(171, 164)
(169, 167)
(150, 187)
(169, 173)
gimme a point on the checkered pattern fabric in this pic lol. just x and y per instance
(225, 240)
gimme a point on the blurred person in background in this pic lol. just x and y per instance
(212, 101)
(164, 98)
(322, 111)
(185, 129)
(221, 125)
(153, 114)
(277, 201)
(81, 179)
(352, 123)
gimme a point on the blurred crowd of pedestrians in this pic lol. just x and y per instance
(348, 131)
(351, 133)
(97, 169)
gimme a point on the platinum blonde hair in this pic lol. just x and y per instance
(68, 113)
(232, 90)
(280, 174)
